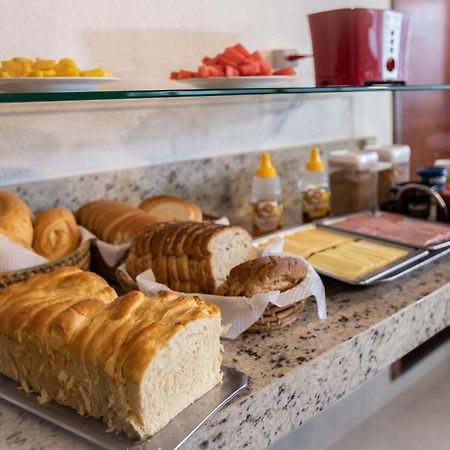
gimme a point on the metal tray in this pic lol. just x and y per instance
(171, 437)
(330, 222)
(432, 256)
(376, 276)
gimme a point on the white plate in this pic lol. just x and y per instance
(52, 84)
(241, 82)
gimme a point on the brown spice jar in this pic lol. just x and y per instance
(353, 191)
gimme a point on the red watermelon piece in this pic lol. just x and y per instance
(241, 49)
(285, 71)
(234, 55)
(231, 72)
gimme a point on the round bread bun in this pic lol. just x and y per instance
(56, 233)
(264, 274)
(168, 207)
(16, 219)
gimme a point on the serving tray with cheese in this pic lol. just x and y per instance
(345, 256)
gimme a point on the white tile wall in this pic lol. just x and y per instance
(142, 41)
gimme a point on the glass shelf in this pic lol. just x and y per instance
(178, 93)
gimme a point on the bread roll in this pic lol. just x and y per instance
(169, 208)
(189, 256)
(56, 233)
(114, 222)
(15, 219)
(134, 361)
(265, 274)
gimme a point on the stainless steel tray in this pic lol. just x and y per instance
(171, 437)
(376, 276)
(330, 222)
(432, 256)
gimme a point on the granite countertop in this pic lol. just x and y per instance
(298, 371)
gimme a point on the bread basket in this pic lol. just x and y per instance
(125, 281)
(276, 317)
(81, 258)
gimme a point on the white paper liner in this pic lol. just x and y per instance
(15, 257)
(112, 254)
(242, 312)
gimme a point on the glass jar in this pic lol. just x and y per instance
(397, 155)
(353, 181)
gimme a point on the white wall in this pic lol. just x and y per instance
(142, 41)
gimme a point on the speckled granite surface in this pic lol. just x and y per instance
(297, 372)
(221, 186)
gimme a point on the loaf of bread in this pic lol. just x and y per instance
(169, 208)
(56, 233)
(114, 222)
(265, 274)
(189, 256)
(15, 219)
(134, 361)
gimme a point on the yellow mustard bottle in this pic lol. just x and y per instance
(314, 188)
(267, 205)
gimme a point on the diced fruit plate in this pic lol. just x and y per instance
(241, 82)
(52, 84)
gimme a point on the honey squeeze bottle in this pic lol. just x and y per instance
(315, 192)
(267, 206)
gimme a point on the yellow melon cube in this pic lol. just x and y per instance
(67, 62)
(13, 68)
(49, 73)
(36, 74)
(43, 64)
(93, 73)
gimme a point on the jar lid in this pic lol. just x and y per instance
(392, 153)
(433, 171)
(353, 160)
(442, 163)
(383, 165)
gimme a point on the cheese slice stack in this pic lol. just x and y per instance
(306, 243)
(355, 259)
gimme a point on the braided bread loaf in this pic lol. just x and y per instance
(134, 361)
(189, 256)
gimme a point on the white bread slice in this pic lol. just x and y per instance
(228, 248)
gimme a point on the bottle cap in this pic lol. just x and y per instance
(315, 164)
(266, 169)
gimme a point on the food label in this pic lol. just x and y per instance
(315, 204)
(267, 216)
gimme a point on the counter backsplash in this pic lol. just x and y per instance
(221, 186)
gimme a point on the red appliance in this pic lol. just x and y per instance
(358, 46)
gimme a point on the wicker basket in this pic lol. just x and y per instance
(126, 283)
(79, 258)
(100, 267)
(276, 317)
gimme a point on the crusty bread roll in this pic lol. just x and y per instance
(265, 274)
(56, 233)
(189, 256)
(114, 222)
(169, 208)
(134, 361)
(15, 219)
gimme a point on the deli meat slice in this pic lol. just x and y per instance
(397, 228)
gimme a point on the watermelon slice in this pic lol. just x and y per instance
(241, 49)
(285, 71)
(231, 72)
